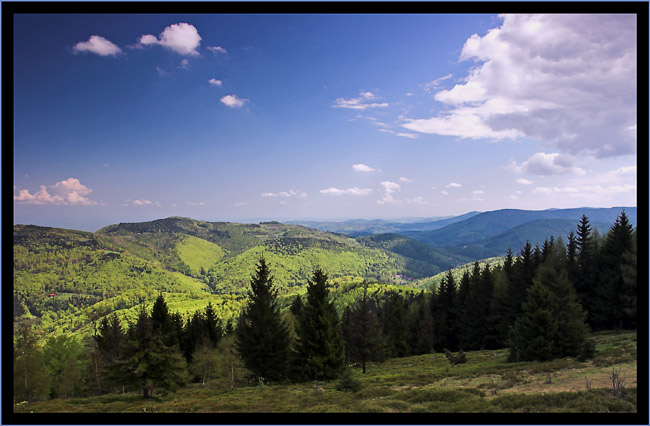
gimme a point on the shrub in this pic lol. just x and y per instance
(347, 382)
(458, 358)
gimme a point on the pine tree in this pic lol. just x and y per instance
(532, 336)
(146, 362)
(609, 304)
(64, 362)
(446, 315)
(262, 335)
(394, 323)
(366, 341)
(319, 344)
(586, 267)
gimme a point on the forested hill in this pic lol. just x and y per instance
(63, 279)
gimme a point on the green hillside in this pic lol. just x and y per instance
(65, 279)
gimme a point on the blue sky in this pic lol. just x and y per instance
(243, 117)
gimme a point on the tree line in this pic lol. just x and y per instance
(541, 304)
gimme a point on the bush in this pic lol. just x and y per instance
(347, 382)
(458, 358)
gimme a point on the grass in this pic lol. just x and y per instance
(425, 383)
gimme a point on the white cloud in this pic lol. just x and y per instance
(407, 135)
(286, 194)
(216, 49)
(200, 203)
(240, 204)
(233, 101)
(543, 164)
(360, 103)
(182, 38)
(215, 82)
(389, 188)
(444, 192)
(97, 45)
(416, 200)
(524, 181)
(362, 168)
(453, 185)
(185, 64)
(478, 192)
(405, 179)
(435, 83)
(350, 191)
(568, 80)
(141, 203)
(66, 192)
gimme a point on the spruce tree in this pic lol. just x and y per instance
(395, 325)
(319, 344)
(586, 267)
(446, 315)
(609, 304)
(262, 335)
(533, 334)
(366, 342)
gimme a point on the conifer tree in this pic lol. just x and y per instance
(446, 315)
(586, 267)
(532, 336)
(395, 324)
(366, 341)
(609, 302)
(319, 344)
(262, 335)
(146, 362)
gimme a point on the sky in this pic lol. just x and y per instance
(127, 118)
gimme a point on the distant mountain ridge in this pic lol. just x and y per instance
(490, 224)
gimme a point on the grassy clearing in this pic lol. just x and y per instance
(197, 253)
(425, 383)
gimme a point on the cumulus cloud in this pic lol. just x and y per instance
(362, 168)
(217, 49)
(182, 38)
(360, 103)
(453, 185)
(444, 192)
(416, 200)
(524, 181)
(568, 80)
(233, 101)
(350, 191)
(405, 179)
(215, 82)
(185, 64)
(478, 192)
(97, 45)
(543, 164)
(389, 188)
(286, 194)
(66, 192)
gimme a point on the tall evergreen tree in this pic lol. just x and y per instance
(609, 305)
(394, 322)
(446, 315)
(319, 344)
(533, 334)
(366, 342)
(586, 267)
(262, 335)
(146, 362)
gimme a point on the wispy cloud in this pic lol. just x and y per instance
(141, 203)
(524, 181)
(215, 82)
(350, 191)
(97, 45)
(389, 188)
(435, 83)
(286, 194)
(361, 103)
(405, 179)
(182, 38)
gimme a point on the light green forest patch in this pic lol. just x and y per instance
(198, 253)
